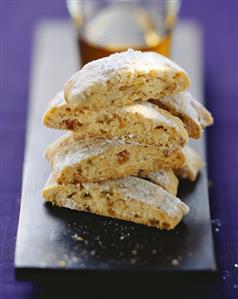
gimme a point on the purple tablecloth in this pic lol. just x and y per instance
(220, 23)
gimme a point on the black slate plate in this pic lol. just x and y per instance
(69, 244)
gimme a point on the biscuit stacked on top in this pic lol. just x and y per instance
(130, 119)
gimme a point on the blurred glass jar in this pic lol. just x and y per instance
(108, 26)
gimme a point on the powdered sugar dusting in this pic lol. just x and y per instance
(162, 177)
(151, 111)
(149, 193)
(74, 152)
(181, 103)
(94, 76)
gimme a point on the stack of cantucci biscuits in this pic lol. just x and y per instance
(130, 119)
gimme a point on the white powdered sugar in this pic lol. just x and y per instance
(151, 111)
(73, 152)
(151, 194)
(94, 76)
(181, 103)
(161, 176)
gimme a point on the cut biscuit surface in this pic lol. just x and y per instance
(75, 160)
(164, 178)
(142, 122)
(123, 78)
(192, 166)
(194, 115)
(131, 199)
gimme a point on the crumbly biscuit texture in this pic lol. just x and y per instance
(164, 178)
(131, 199)
(75, 160)
(142, 122)
(123, 78)
(192, 166)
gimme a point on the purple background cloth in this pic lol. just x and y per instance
(219, 20)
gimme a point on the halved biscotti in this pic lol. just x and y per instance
(164, 178)
(142, 122)
(194, 115)
(192, 166)
(167, 178)
(75, 160)
(123, 78)
(131, 199)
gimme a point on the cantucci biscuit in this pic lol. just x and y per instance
(194, 115)
(164, 178)
(131, 199)
(142, 122)
(123, 78)
(75, 160)
(192, 165)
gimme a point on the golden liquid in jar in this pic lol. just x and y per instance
(118, 28)
(89, 51)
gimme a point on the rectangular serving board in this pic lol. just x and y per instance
(55, 242)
